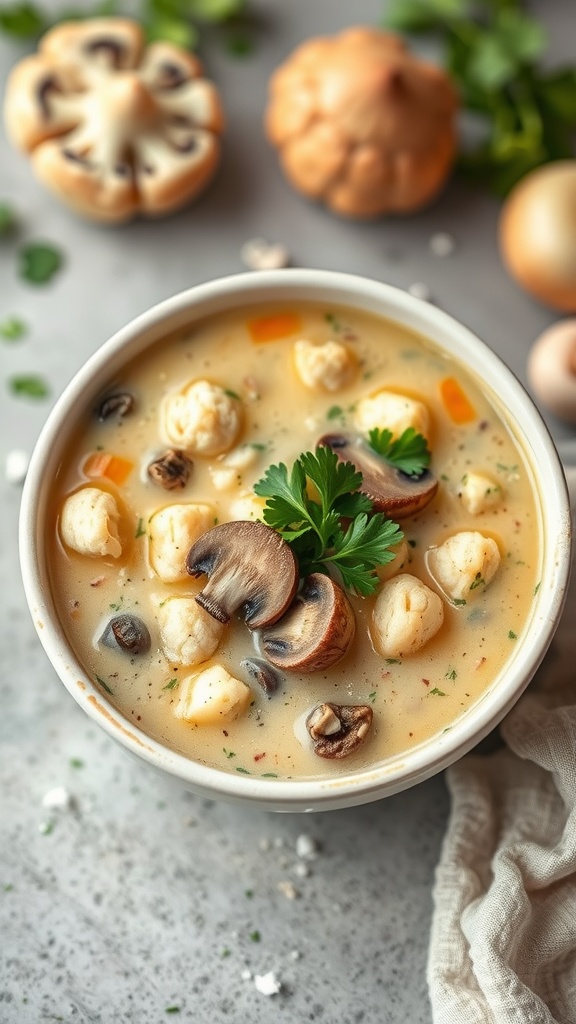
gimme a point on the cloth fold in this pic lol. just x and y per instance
(503, 938)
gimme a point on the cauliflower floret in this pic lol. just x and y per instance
(402, 553)
(201, 418)
(390, 411)
(479, 492)
(212, 697)
(326, 367)
(464, 564)
(247, 506)
(171, 533)
(89, 523)
(406, 615)
(226, 473)
(189, 634)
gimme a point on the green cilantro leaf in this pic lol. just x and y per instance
(307, 504)
(408, 453)
(29, 386)
(39, 262)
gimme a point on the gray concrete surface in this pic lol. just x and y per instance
(142, 903)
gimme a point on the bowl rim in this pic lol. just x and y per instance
(390, 302)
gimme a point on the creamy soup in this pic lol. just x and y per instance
(275, 380)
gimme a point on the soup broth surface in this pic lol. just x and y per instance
(413, 697)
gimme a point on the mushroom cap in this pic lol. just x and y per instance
(390, 491)
(538, 234)
(315, 632)
(113, 127)
(249, 567)
(552, 369)
(338, 729)
(362, 123)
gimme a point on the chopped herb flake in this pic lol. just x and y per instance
(451, 674)
(269, 775)
(12, 329)
(477, 582)
(249, 893)
(334, 412)
(173, 1009)
(231, 394)
(39, 262)
(436, 692)
(76, 762)
(229, 753)
(512, 635)
(171, 684)
(29, 386)
(140, 531)
(104, 685)
(458, 601)
(225, 952)
(255, 936)
(244, 771)
(537, 588)
(7, 216)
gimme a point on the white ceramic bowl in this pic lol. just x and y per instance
(320, 287)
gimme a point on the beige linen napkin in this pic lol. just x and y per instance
(503, 940)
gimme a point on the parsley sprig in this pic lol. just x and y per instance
(409, 452)
(307, 504)
(493, 49)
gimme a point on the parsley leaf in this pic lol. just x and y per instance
(408, 453)
(39, 262)
(307, 504)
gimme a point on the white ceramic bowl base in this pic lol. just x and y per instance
(329, 288)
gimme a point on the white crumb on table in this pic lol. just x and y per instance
(58, 799)
(306, 847)
(419, 290)
(267, 984)
(16, 466)
(288, 889)
(442, 244)
(259, 254)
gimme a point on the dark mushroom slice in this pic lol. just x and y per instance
(259, 671)
(315, 632)
(338, 729)
(127, 632)
(119, 404)
(250, 569)
(171, 470)
(390, 490)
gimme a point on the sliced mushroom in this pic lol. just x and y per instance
(119, 404)
(262, 673)
(391, 491)
(249, 567)
(127, 632)
(338, 729)
(171, 470)
(316, 631)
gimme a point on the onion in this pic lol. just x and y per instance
(538, 234)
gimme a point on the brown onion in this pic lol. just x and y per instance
(538, 234)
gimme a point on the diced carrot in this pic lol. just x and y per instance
(457, 405)
(270, 328)
(111, 467)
